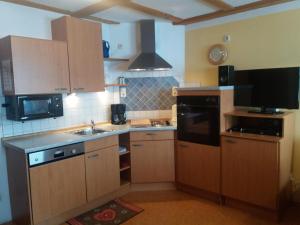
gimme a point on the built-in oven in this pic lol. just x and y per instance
(198, 119)
(30, 107)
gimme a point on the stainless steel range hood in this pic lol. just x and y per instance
(148, 59)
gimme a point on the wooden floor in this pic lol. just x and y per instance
(178, 208)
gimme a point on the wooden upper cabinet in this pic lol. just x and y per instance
(33, 66)
(85, 52)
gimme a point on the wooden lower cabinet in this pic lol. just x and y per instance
(250, 171)
(57, 187)
(102, 172)
(152, 161)
(198, 166)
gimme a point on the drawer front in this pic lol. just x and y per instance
(101, 143)
(151, 135)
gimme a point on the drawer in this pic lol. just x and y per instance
(100, 143)
(151, 135)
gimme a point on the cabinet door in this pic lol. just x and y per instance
(37, 66)
(85, 52)
(102, 172)
(250, 171)
(198, 166)
(152, 161)
(57, 187)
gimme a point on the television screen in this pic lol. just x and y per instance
(267, 88)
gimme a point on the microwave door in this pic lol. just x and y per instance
(35, 107)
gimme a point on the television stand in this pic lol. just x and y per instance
(256, 160)
(266, 111)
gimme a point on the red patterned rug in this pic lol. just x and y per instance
(112, 213)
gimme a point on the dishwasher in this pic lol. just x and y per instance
(57, 181)
(54, 154)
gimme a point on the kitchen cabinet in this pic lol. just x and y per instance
(33, 66)
(152, 160)
(198, 166)
(256, 168)
(84, 50)
(57, 187)
(102, 172)
(250, 171)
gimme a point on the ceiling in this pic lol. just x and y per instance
(183, 11)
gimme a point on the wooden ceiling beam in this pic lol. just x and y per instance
(151, 11)
(219, 4)
(239, 9)
(56, 10)
(97, 7)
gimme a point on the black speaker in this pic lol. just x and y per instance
(226, 75)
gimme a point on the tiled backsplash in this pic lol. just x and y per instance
(78, 109)
(149, 93)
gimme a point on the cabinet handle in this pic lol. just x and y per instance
(183, 146)
(61, 89)
(137, 145)
(230, 141)
(78, 89)
(93, 156)
(150, 134)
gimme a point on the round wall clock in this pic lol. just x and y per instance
(217, 54)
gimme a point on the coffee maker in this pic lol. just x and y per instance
(118, 115)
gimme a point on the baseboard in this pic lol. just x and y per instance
(255, 210)
(215, 197)
(152, 187)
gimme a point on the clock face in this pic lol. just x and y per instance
(217, 54)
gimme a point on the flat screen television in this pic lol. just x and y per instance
(267, 89)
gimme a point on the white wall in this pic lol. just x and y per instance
(23, 21)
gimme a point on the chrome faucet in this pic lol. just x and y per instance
(93, 125)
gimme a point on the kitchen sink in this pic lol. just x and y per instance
(89, 131)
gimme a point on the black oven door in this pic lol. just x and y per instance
(199, 121)
(35, 107)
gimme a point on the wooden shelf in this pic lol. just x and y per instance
(256, 115)
(115, 60)
(116, 85)
(124, 182)
(258, 137)
(125, 168)
(124, 153)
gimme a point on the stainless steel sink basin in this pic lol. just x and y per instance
(89, 131)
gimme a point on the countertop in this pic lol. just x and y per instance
(41, 141)
(205, 88)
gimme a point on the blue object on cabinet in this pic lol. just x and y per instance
(106, 47)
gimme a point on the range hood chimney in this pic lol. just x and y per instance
(148, 59)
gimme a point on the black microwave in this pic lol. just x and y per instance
(31, 107)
